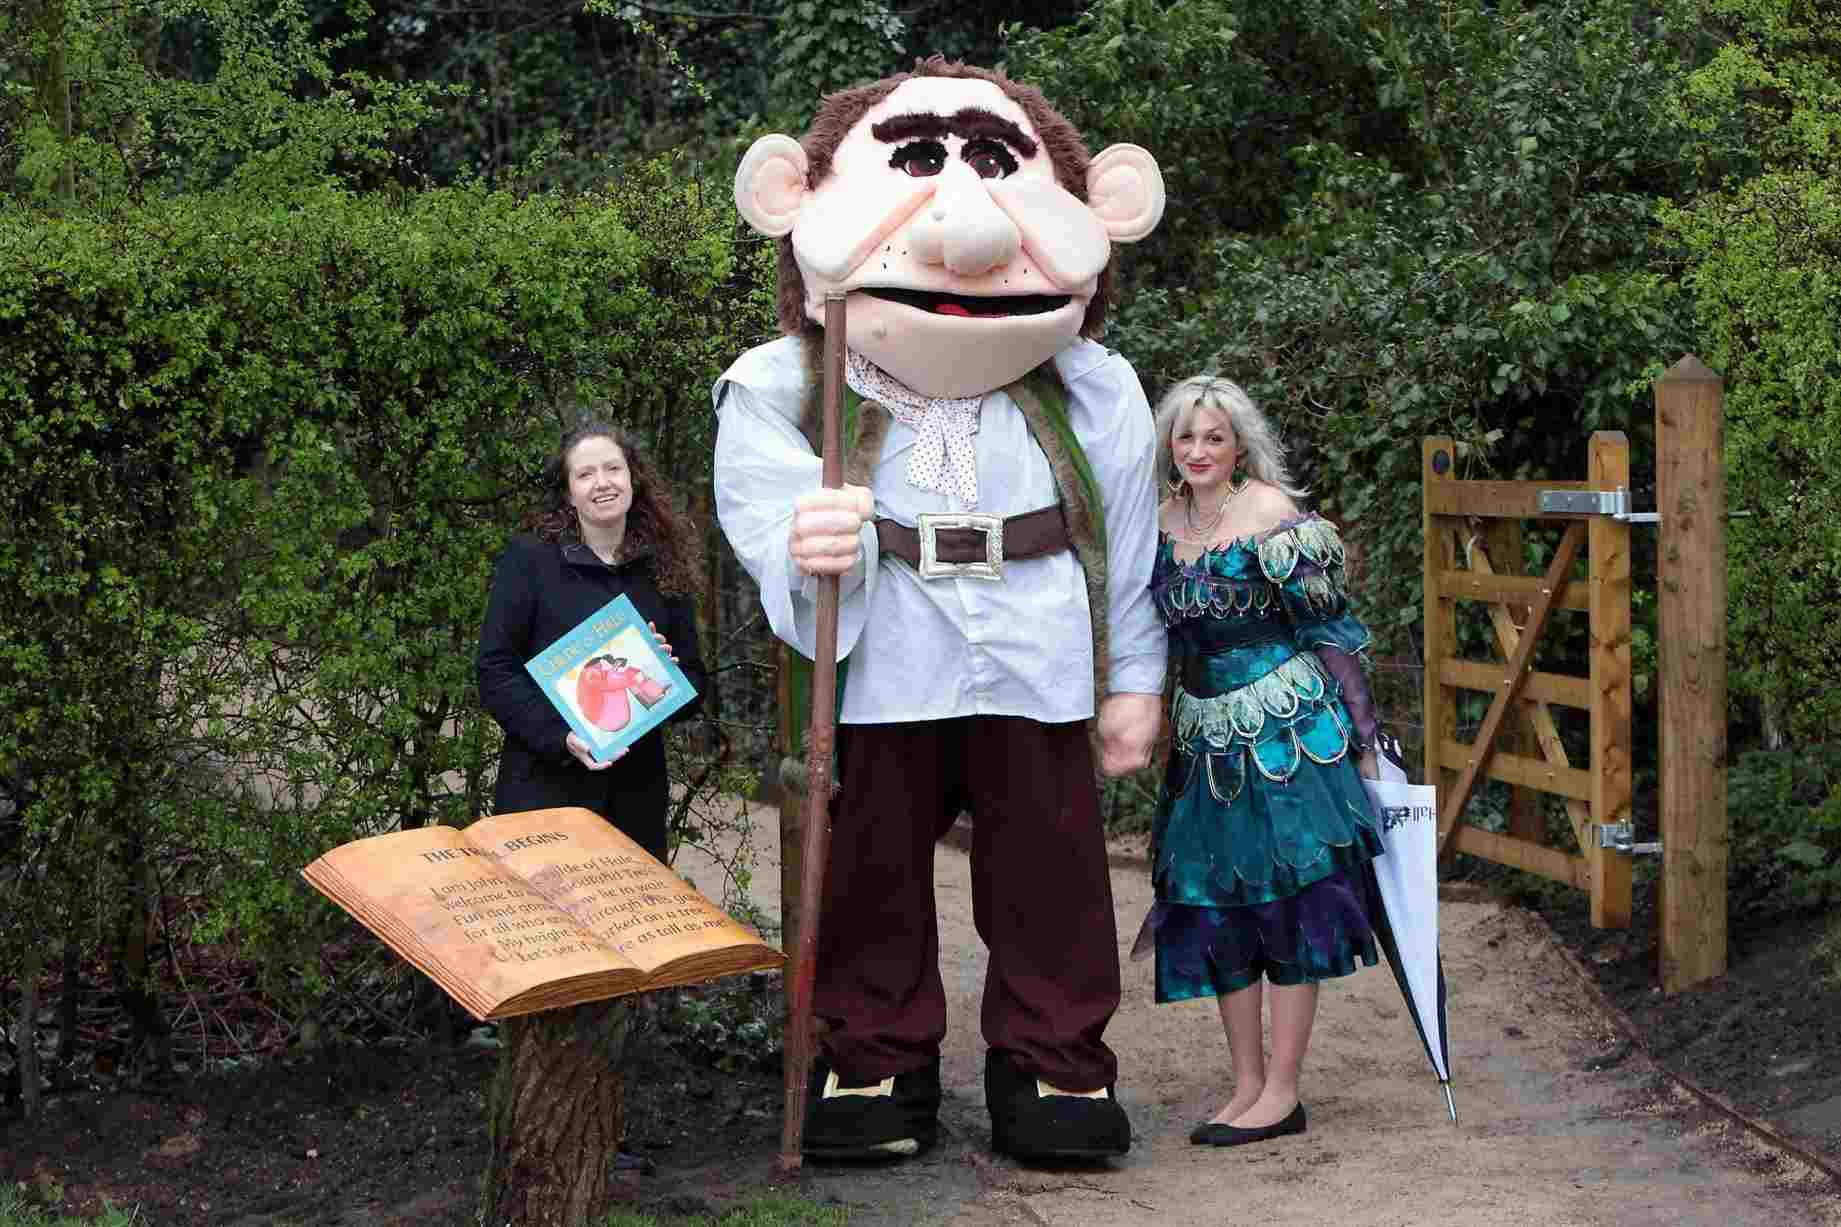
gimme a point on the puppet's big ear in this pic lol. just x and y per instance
(770, 184)
(1125, 189)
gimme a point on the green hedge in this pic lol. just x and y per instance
(1541, 207)
(1767, 285)
(256, 465)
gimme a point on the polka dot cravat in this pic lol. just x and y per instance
(943, 459)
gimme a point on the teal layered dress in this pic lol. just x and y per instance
(1262, 826)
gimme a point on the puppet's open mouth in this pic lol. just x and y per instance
(982, 307)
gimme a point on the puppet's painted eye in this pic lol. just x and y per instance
(989, 159)
(921, 159)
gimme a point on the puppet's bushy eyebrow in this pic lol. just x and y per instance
(967, 122)
(911, 126)
(973, 122)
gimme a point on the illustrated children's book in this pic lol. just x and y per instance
(534, 911)
(610, 679)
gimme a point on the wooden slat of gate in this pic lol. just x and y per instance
(1561, 688)
(1438, 471)
(1518, 769)
(1511, 589)
(1551, 863)
(1557, 574)
(1512, 500)
(1612, 784)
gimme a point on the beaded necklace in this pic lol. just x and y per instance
(1204, 533)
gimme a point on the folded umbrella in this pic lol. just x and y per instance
(1403, 893)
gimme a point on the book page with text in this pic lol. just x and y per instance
(482, 933)
(614, 888)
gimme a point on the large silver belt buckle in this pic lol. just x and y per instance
(930, 523)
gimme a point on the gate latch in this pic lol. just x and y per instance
(1621, 837)
(1613, 503)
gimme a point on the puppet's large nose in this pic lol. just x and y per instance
(962, 227)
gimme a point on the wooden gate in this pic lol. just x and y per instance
(1473, 553)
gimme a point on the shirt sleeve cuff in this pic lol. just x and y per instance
(1136, 675)
(807, 585)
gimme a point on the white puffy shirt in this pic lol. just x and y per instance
(937, 649)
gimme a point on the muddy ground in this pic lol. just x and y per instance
(1563, 1119)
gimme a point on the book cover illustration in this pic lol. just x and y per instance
(610, 679)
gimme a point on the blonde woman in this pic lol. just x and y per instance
(1263, 823)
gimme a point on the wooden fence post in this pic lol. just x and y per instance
(1608, 545)
(1691, 606)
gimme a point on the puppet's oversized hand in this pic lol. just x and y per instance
(1127, 729)
(825, 528)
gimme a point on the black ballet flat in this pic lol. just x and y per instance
(1227, 1135)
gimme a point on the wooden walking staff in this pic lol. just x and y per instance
(818, 747)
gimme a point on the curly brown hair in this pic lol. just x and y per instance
(839, 113)
(654, 525)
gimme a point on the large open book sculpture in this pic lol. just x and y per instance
(534, 911)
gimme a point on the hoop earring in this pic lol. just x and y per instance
(1177, 486)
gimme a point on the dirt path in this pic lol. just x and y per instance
(1556, 1128)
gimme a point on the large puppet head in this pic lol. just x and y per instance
(959, 212)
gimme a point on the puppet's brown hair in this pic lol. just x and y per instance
(839, 113)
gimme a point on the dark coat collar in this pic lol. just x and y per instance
(578, 554)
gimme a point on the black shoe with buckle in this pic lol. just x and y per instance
(1033, 1120)
(887, 1119)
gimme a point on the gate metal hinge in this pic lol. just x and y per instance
(1621, 837)
(1613, 503)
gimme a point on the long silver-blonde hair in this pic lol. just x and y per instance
(1263, 454)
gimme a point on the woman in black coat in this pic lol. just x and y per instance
(609, 529)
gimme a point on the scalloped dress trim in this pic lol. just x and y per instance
(1312, 538)
(1241, 715)
(1213, 596)
(1314, 524)
(1193, 592)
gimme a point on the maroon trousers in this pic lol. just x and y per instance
(1041, 897)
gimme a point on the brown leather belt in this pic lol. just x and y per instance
(963, 545)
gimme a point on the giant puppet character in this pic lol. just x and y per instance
(994, 541)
